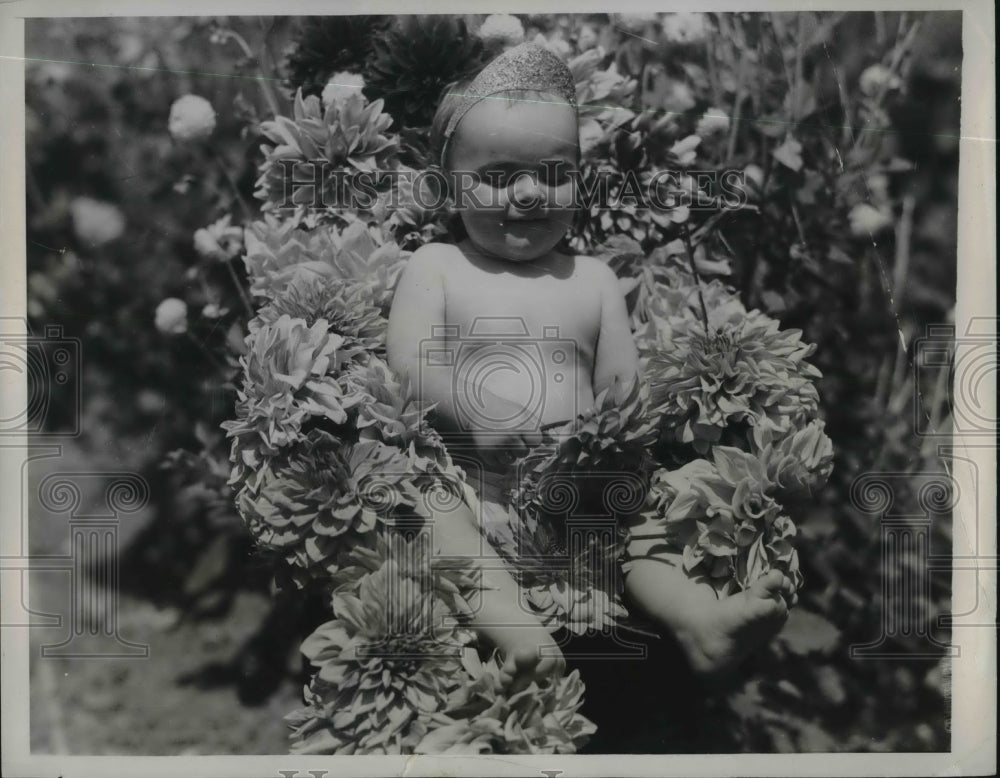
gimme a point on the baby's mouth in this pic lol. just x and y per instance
(534, 215)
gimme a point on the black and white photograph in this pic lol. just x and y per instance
(572, 393)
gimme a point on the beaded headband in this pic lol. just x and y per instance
(528, 67)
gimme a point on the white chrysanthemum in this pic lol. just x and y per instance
(867, 220)
(219, 241)
(341, 86)
(684, 28)
(875, 78)
(715, 121)
(191, 118)
(171, 316)
(94, 222)
(213, 311)
(502, 28)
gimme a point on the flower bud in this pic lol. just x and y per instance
(876, 78)
(94, 222)
(867, 220)
(753, 174)
(504, 29)
(340, 87)
(191, 118)
(171, 316)
(714, 122)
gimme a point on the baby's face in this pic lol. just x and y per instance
(512, 171)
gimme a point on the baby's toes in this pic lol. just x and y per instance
(768, 586)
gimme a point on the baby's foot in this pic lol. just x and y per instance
(720, 635)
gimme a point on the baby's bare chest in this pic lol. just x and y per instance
(480, 303)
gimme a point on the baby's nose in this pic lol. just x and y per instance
(525, 193)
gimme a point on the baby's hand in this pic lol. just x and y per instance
(528, 662)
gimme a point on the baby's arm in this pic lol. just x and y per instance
(617, 356)
(417, 306)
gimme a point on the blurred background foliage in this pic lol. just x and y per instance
(846, 127)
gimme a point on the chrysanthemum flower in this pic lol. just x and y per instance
(279, 254)
(191, 118)
(95, 222)
(456, 581)
(288, 377)
(323, 498)
(388, 661)
(219, 241)
(739, 367)
(348, 135)
(340, 87)
(171, 316)
(502, 29)
(342, 304)
(729, 515)
(483, 719)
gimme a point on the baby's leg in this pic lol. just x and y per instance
(715, 634)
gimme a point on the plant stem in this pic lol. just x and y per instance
(217, 157)
(239, 288)
(733, 126)
(262, 80)
(211, 357)
(697, 279)
(904, 231)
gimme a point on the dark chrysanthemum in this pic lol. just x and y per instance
(323, 144)
(739, 367)
(386, 663)
(483, 718)
(416, 58)
(324, 45)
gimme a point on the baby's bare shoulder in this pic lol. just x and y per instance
(594, 270)
(429, 259)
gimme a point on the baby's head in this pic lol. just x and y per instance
(508, 141)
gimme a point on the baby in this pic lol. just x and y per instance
(509, 145)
